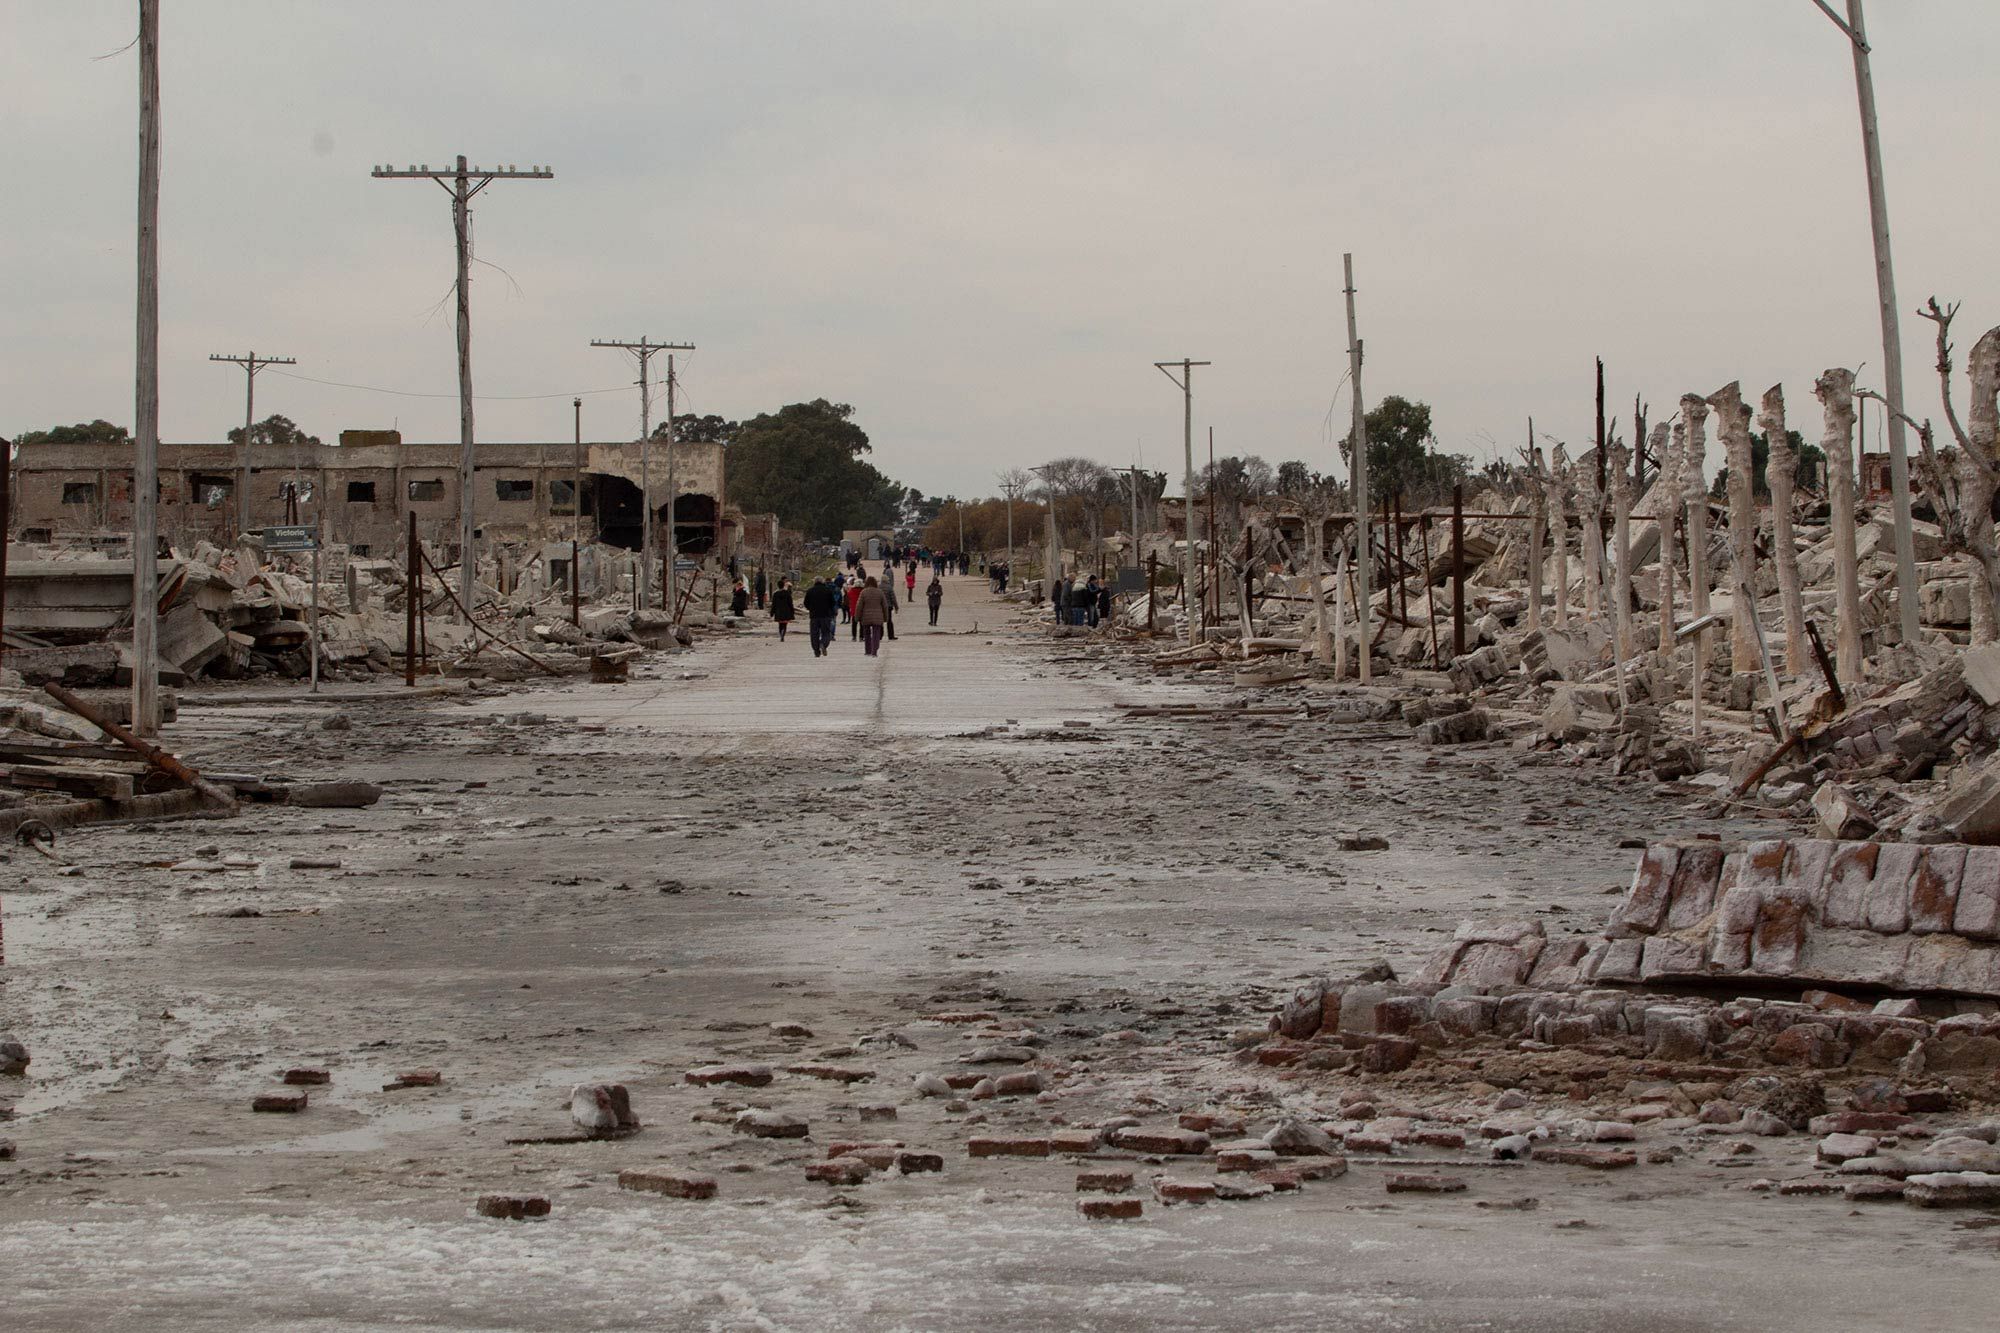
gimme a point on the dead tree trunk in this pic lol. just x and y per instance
(1835, 390)
(1538, 527)
(1591, 503)
(1621, 551)
(1982, 456)
(1781, 469)
(1694, 474)
(1733, 427)
(1556, 489)
(1667, 487)
(1322, 641)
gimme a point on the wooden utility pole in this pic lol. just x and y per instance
(1132, 477)
(1835, 390)
(1186, 385)
(644, 350)
(146, 410)
(1856, 30)
(576, 520)
(413, 601)
(1358, 471)
(670, 575)
(458, 183)
(251, 364)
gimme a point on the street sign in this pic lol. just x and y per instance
(301, 537)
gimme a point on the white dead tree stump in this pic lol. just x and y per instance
(1591, 497)
(1538, 526)
(1835, 390)
(1668, 444)
(1781, 468)
(1732, 426)
(1980, 443)
(1694, 479)
(1556, 491)
(1618, 460)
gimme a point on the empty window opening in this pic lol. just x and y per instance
(427, 490)
(210, 491)
(562, 495)
(361, 492)
(79, 493)
(507, 488)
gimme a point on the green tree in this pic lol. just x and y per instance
(99, 431)
(274, 430)
(803, 463)
(1811, 471)
(1403, 456)
(692, 429)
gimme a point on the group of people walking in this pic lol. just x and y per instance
(1085, 601)
(865, 602)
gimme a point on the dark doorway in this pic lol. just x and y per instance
(695, 529)
(620, 515)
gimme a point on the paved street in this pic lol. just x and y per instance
(573, 883)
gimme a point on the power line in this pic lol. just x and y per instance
(477, 397)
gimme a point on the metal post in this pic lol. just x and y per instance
(1358, 471)
(6, 528)
(576, 521)
(1458, 570)
(146, 414)
(412, 597)
(1186, 385)
(312, 616)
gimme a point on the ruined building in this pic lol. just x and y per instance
(362, 491)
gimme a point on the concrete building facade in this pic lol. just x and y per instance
(362, 491)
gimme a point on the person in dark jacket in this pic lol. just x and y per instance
(821, 605)
(781, 606)
(1091, 589)
(889, 596)
(1059, 598)
(758, 587)
(934, 594)
(1104, 603)
(739, 599)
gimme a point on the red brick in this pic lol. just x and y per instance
(303, 1078)
(995, 1145)
(1110, 1210)
(1103, 1182)
(512, 1207)
(1184, 1191)
(1405, 1182)
(673, 1184)
(1167, 1142)
(283, 1103)
(1282, 1181)
(1597, 1159)
(914, 1163)
(840, 1171)
(748, 1076)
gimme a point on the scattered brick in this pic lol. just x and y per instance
(1184, 1191)
(1317, 1168)
(1107, 1210)
(1166, 1142)
(748, 1076)
(961, 1082)
(1229, 1160)
(1439, 1138)
(1810, 1186)
(978, 1016)
(305, 1078)
(280, 1103)
(1209, 1123)
(1282, 1180)
(883, 1112)
(1237, 1191)
(1076, 1140)
(1874, 1190)
(414, 1078)
(1103, 1182)
(916, 1163)
(799, 1030)
(673, 1184)
(512, 1207)
(996, 1145)
(1597, 1159)
(1409, 1182)
(831, 1073)
(769, 1125)
(840, 1171)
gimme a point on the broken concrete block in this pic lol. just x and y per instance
(1409, 1182)
(1779, 938)
(1934, 888)
(1970, 809)
(1980, 665)
(1844, 901)
(1889, 894)
(1558, 965)
(1697, 882)
(749, 1076)
(1953, 1189)
(1671, 956)
(1295, 1138)
(1646, 902)
(769, 1125)
(1455, 729)
(333, 795)
(1978, 911)
(603, 1110)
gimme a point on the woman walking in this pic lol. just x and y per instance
(935, 596)
(781, 607)
(871, 613)
(910, 583)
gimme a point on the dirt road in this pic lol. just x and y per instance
(575, 883)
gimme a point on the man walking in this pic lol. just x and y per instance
(871, 614)
(934, 594)
(820, 606)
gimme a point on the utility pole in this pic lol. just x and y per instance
(458, 183)
(1186, 385)
(1358, 472)
(251, 364)
(146, 410)
(1892, 338)
(644, 350)
(1132, 476)
(1012, 484)
(670, 576)
(576, 520)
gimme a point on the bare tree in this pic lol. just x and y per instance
(1963, 497)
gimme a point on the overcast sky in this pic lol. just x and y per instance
(981, 223)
